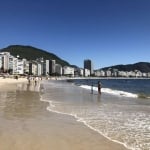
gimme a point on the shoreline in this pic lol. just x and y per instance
(78, 120)
(121, 146)
(48, 129)
(12, 80)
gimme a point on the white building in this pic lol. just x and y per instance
(34, 69)
(138, 73)
(100, 73)
(122, 74)
(131, 74)
(47, 68)
(87, 72)
(18, 65)
(15, 66)
(108, 73)
(5, 61)
(81, 72)
(68, 71)
(144, 74)
(39, 69)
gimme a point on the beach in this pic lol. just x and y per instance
(26, 122)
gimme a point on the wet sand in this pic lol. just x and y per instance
(27, 125)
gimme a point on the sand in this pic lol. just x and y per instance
(12, 80)
(27, 125)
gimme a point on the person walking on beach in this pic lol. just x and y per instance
(99, 87)
(36, 80)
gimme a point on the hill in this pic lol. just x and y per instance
(32, 53)
(141, 66)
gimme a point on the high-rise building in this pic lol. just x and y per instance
(58, 69)
(88, 65)
(47, 67)
(52, 67)
(5, 61)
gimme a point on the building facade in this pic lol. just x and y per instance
(88, 65)
(68, 71)
(58, 69)
(52, 67)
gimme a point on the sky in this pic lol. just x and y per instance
(109, 32)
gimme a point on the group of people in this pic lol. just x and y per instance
(99, 86)
(34, 79)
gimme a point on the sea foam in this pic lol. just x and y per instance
(111, 91)
(106, 120)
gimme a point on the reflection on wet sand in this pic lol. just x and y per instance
(21, 103)
(29, 87)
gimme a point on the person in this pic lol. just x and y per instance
(36, 80)
(92, 88)
(99, 87)
(29, 79)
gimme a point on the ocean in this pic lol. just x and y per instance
(121, 113)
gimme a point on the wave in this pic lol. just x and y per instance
(52, 106)
(88, 114)
(111, 91)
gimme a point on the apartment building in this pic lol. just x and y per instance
(69, 71)
(88, 65)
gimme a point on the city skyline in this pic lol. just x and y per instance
(15, 66)
(107, 32)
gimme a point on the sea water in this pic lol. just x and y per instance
(121, 113)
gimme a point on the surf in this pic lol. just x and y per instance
(111, 91)
(105, 116)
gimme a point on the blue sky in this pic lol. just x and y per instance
(109, 32)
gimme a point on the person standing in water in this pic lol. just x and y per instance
(92, 88)
(99, 87)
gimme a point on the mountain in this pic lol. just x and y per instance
(32, 53)
(141, 66)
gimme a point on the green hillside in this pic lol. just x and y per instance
(141, 66)
(32, 53)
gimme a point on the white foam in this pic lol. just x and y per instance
(111, 91)
(52, 106)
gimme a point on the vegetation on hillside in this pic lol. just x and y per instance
(32, 53)
(141, 66)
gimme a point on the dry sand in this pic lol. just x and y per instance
(11, 80)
